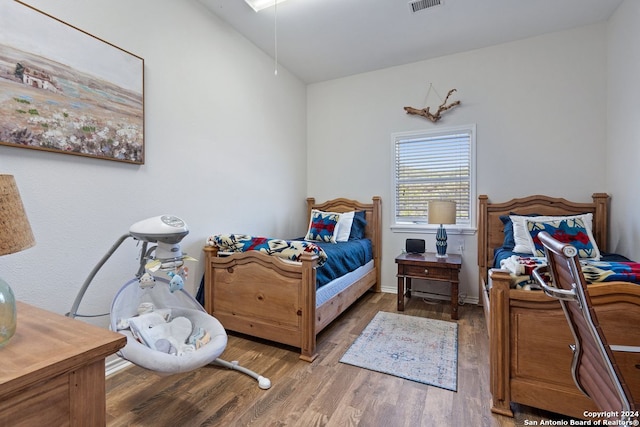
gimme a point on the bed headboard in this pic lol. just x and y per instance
(373, 215)
(490, 228)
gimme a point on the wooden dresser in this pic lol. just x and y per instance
(52, 372)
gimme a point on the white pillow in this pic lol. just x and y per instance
(344, 226)
(524, 243)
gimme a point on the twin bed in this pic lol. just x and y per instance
(529, 338)
(266, 296)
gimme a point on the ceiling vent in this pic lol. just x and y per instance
(418, 5)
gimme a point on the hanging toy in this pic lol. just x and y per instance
(184, 272)
(147, 281)
(176, 283)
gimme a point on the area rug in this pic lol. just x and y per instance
(415, 348)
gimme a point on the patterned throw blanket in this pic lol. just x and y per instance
(287, 249)
(521, 268)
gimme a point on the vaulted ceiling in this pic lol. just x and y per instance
(319, 40)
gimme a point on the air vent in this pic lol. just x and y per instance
(418, 5)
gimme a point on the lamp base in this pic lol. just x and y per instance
(8, 313)
(441, 242)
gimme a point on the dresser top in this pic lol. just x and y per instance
(47, 344)
(452, 260)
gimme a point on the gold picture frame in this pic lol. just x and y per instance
(64, 90)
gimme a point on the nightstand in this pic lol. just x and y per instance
(428, 267)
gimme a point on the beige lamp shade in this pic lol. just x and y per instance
(15, 231)
(442, 212)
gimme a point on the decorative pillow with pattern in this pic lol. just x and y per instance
(323, 226)
(522, 239)
(572, 231)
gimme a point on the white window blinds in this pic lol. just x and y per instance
(433, 165)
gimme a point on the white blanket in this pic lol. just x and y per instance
(157, 333)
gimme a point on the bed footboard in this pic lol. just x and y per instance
(530, 358)
(264, 296)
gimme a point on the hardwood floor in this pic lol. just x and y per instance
(322, 393)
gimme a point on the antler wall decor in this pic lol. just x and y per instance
(434, 117)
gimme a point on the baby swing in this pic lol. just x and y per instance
(167, 330)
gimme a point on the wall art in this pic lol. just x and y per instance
(64, 90)
(426, 112)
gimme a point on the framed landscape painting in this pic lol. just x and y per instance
(64, 90)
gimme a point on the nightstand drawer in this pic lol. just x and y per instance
(432, 273)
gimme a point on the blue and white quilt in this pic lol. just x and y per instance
(521, 267)
(287, 249)
(334, 259)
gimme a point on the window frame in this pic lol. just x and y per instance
(409, 227)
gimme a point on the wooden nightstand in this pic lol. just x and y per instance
(53, 371)
(428, 267)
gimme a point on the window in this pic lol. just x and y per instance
(430, 165)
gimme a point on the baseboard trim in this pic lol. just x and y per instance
(419, 294)
(116, 365)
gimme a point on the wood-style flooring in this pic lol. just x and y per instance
(323, 393)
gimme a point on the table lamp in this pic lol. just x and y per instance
(442, 212)
(15, 235)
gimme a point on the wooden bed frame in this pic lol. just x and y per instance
(275, 299)
(529, 337)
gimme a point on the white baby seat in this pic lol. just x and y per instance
(125, 306)
(186, 337)
(174, 305)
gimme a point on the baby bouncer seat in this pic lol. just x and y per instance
(167, 330)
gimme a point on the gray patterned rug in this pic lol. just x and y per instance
(415, 348)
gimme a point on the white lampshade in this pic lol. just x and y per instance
(442, 212)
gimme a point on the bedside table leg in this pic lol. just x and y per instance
(400, 293)
(454, 300)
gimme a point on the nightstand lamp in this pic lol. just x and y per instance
(442, 212)
(15, 236)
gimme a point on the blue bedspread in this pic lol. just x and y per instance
(343, 258)
(334, 259)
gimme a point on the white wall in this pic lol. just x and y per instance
(225, 150)
(623, 139)
(215, 151)
(539, 105)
